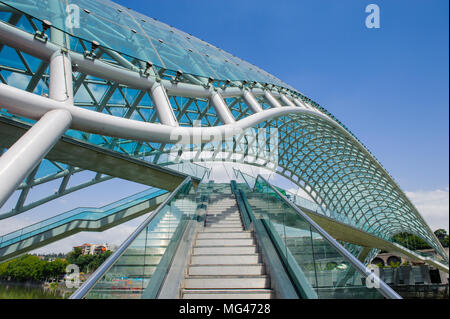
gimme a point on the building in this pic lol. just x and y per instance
(430, 274)
(188, 103)
(92, 249)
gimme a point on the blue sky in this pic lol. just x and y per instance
(389, 86)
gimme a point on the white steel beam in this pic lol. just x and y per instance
(272, 101)
(25, 42)
(221, 108)
(302, 104)
(34, 106)
(286, 100)
(162, 105)
(30, 149)
(251, 102)
(60, 87)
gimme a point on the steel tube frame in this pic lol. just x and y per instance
(221, 108)
(30, 149)
(24, 156)
(272, 101)
(25, 42)
(34, 106)
(88, 121)
(251, 102)
(286, 100)
(162, 105)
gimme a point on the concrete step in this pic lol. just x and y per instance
(233, 216)
(224, 235)
(227, 294)
(225, 259)
(230, 215)
(223, 226)
(227, 282)
(225, 242)
(239, 250)
(226, 270)
(221, 229)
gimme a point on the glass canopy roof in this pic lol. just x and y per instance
(131, 33)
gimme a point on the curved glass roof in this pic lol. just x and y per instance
(144, 38)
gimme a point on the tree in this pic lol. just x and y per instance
(87, 263)
(28, 267)
(442, 235)
(410, 241)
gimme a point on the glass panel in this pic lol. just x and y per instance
(329, 273)
(129, 32)
(79, 214)
(134, 269)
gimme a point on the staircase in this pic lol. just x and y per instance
(224, 261)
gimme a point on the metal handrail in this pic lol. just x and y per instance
(88, 284)
(384, 289)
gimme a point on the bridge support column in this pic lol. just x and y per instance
(31, 148)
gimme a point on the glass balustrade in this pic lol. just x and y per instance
(79, 214)
(134, 270)
(330, 273)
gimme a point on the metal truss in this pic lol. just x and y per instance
(136, 103)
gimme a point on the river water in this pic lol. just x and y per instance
(13, 290)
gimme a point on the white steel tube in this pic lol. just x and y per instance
(272, 101)
(251, 102)
(34, 106)
(25, 42)
(60, 87)
(302, 104)
(30, 149)
(221, 108)
(162, 105)
(286, 100)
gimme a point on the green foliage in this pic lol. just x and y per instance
(410, 241)
(87, 263)
(442, 235)
(394, 264)
(414, 242)
(28, 267)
